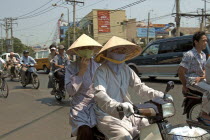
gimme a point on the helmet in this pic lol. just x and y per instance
(26, 51)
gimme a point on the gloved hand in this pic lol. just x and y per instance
(127, 108)
(169, 97)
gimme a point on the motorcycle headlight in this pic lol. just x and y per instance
(168, 110)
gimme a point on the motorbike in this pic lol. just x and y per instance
(59, 95)
(192, 104)
(157, 111)
(31, 76)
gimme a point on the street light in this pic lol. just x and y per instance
(55, 5)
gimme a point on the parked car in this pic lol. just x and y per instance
(161, 58)
(5, 56)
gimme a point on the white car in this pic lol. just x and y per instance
(5, 56)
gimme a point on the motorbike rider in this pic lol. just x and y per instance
(192, 73)
(10, 63)
(25, 61)
(52, 54)
(78, 79)
(111, 82)
(59, 66)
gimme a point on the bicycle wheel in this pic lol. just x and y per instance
(35, 81)
(194, 112)
(4, 88)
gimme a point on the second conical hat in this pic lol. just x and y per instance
(132, 50)
(84, 41)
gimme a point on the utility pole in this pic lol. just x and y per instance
(205, 14)
(2, 41)
(202, 21)
(178, 18)
(148, 27)
(74, 2)
(9, 25)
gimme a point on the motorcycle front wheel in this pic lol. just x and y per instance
(35, 81)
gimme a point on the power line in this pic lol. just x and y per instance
(40, 12)
(38, 24)
(36, 9)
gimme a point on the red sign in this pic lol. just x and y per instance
(103, 22)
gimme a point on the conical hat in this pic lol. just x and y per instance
(84, 41)
(132, 50)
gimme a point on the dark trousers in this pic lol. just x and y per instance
(85, 133)
(60, 76)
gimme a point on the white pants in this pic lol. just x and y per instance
(205, 89)
(125, 129)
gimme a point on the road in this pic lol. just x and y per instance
(35, 114)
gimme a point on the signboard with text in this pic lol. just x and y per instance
(142, 32)
(103, 21)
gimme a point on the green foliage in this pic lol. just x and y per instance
(19, 47)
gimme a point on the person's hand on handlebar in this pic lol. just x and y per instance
(61, 66)
(127, 108)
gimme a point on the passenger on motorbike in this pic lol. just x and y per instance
(59, 66)
(192, 72)
(111, 82)
(10, 63)
(78, 80)
(25, 61)
(52, 54)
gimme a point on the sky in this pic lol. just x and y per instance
(39, 30)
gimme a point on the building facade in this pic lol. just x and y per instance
(102, 24)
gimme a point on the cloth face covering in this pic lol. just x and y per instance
(115, 67)
(85, 53)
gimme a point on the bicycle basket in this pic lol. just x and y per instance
(184, 132)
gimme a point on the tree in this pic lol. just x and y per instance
(18, 46)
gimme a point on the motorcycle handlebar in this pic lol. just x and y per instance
(147, 112)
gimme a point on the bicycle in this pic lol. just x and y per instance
(4, 89)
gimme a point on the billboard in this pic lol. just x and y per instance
(161, 29)
(142, 32)
(103, 21)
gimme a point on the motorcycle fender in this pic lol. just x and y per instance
(187, 104)
(150, 132)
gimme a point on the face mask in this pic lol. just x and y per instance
(116, 67)
(85, 53)
(115, 57)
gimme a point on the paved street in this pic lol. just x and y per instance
(35, 114)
